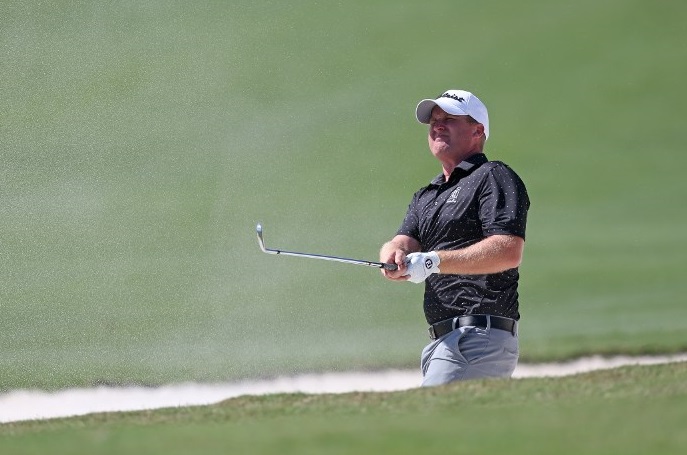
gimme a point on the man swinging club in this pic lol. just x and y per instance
(463, 236)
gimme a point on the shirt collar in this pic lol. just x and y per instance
(466, 166)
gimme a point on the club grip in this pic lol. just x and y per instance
(390, 267)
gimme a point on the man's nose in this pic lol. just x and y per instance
(439, 125)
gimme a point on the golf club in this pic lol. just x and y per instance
(379, 265)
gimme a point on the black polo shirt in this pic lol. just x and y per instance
(481, 198)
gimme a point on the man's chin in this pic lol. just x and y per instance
(439, 148)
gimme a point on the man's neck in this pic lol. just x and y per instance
(449, 165)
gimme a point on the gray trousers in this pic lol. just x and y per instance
(469, 353)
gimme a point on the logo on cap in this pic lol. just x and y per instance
(454, 97)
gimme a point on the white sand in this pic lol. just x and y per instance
(34, 404)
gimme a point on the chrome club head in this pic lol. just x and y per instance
(261, 241)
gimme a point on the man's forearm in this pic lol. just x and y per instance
(494, 254)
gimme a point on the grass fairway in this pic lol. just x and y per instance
(142, 141)
(630, 410)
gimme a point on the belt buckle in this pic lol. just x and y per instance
(432, 333)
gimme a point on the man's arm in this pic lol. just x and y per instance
(395, 251)
(493, 254)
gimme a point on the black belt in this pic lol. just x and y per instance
(441, 328)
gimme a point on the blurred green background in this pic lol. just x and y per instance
(141, 142)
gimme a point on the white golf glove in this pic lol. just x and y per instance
(421, 265)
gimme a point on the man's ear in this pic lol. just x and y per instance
(479, 130)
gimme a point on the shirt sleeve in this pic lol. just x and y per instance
(503, 202)
(411, 222)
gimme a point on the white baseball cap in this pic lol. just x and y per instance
(455, 102)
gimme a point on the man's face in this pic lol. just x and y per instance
(453, 137)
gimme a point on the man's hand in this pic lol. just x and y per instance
(394, 252)
(421, 265)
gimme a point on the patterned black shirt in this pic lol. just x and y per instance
(481, 198)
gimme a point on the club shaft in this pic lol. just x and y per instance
(379, 265)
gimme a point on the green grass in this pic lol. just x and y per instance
(630, 410)
(141, 143)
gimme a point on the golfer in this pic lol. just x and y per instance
(463, 236)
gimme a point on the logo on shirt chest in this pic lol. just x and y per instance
(454, 196)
